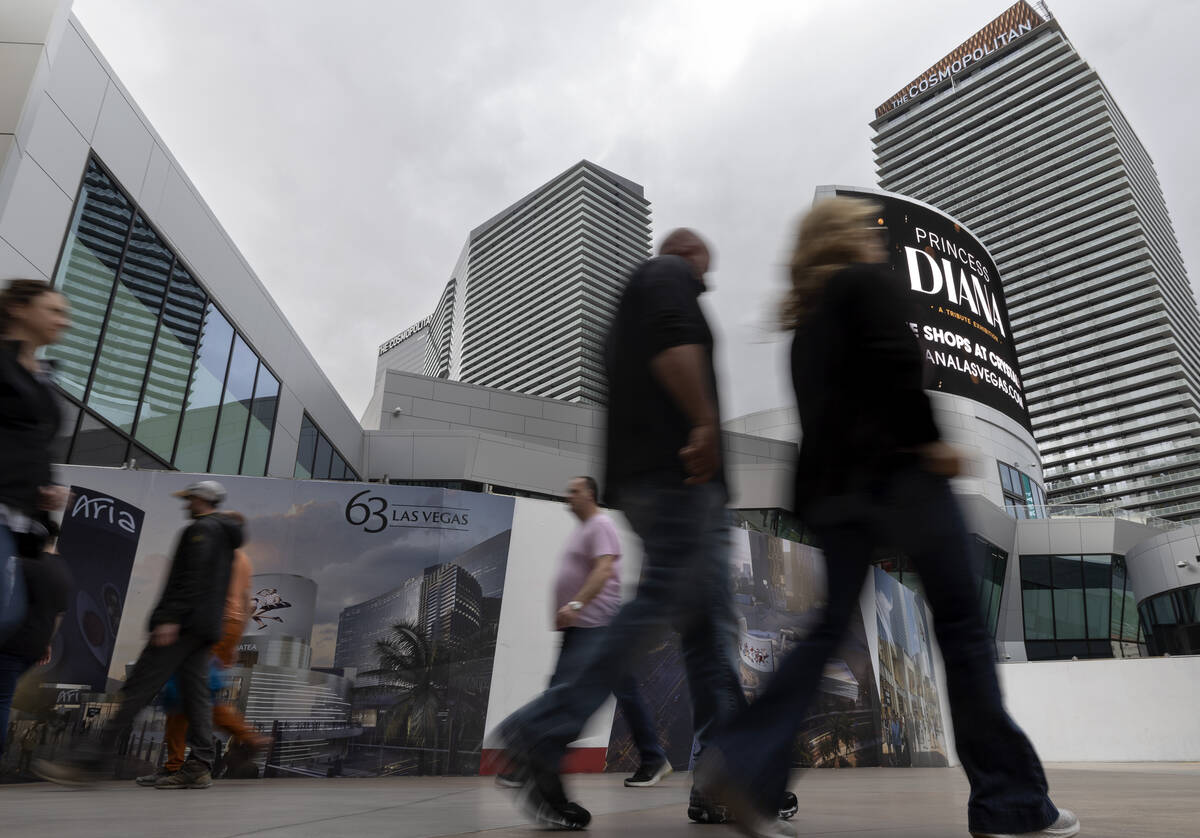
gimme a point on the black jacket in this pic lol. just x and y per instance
(194, 596)
(658, 309)
(858, 376)
(29, 420)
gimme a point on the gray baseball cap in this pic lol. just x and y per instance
(209, 490)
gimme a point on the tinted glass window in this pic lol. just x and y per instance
(306, 451)
(132, 324)
(98, 445)
(324, 458)
(235, 409)
(1067, 575)
(204, 392)
(1097, 584)
(87, 273)
(262, 420)
(1037, 598)
(171, 364)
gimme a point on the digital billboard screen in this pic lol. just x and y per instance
(959, 314)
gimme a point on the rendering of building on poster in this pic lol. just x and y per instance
(959, 314)
(409, 693)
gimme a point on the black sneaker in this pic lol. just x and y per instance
(703, 809)
(543, 799)
(648, 774)
(540, 793)
(789, 807)
(509, 780)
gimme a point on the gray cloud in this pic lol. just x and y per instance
(349, 148)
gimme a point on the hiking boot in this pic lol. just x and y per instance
(648, 774)
(1065, 826)
(151, 780)
(193, 775)
(74, 773)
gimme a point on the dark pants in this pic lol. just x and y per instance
(915, 512)
(11, 669)
(578, 645)
(188, 659)
(685, 583)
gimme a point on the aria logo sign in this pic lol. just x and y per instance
(375, 513)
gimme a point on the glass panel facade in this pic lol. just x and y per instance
(262, 420)
(130, 328)
(96, 444)
(1066, 573)
(306, 451)
(171, 365)
(86, 274)
(1075, 607)
(1037, 597)
(991, 581)
(148, 351)
(235, 409)
(1023, 497)
(204, 392)
(1097, 592)
(316, 457)
(1172, 621)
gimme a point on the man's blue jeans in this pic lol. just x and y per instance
(685, 584)
(914, 511)
(578, 645)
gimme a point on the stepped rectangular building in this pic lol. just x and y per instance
(1014, 134)
(528, 305)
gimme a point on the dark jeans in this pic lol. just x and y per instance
(685, 583)
(578, 645)
(914, 511)
(188, 659)
(11, 669)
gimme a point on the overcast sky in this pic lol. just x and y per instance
(349, 147)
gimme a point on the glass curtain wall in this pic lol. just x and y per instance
(1172, 621)
(162, 376)
(1023, 497)
(1078, 607)
(317, 459)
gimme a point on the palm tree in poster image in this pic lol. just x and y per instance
(841, 731)
(433, 680)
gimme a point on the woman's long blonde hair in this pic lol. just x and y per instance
(832, 235)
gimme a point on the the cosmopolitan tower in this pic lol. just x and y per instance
(1014, 134)
(528, 305)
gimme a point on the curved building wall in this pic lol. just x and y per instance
(1165, 572)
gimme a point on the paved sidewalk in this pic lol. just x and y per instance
(1114, 801)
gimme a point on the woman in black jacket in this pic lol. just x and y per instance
(32, 315)
(873, 473)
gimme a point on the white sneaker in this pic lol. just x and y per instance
(1066, 826)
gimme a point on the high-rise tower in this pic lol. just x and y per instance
(1014, 134)
(528, 305)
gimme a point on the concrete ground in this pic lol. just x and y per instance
(1113, 801)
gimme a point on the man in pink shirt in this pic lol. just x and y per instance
(587, 596)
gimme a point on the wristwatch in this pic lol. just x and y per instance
(575, 605)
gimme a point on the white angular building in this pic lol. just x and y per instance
(528, 304)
